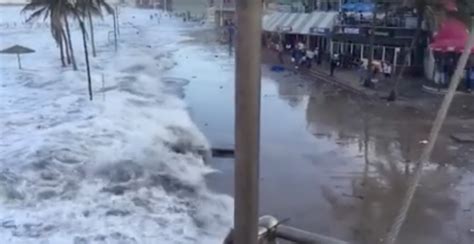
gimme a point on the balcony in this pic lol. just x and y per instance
(224, 5)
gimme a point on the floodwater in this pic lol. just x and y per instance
(332, 162)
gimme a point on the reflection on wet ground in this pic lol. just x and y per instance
(332, 162)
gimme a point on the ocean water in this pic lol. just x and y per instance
(127, 167)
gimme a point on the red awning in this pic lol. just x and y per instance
(451, 37)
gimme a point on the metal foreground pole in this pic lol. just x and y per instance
(247, 120)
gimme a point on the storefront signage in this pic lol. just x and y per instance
(284, 28)
(354, 31)
(381, 33)
(317, 30)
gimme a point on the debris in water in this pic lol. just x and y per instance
(424, 142)
(463, 137)
(222, 153)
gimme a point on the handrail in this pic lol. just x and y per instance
(271, 229)
(300, 236)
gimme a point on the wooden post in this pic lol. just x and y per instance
(19, 61)
(247, 120)
(117, 17)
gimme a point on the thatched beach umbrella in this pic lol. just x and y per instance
(17, 49)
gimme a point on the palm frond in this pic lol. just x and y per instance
(34, 4)
(36, 14)
(105, 5)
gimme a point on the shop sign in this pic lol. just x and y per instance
(318, 30)
(284, 28)
(354, 31)
(381, 33)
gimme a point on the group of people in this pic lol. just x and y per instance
(378, 71)
(301, 56)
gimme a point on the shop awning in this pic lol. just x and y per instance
(315, 23)
(451, 37)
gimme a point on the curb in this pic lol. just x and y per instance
(433, 90)
(436, 91)
(324, 77)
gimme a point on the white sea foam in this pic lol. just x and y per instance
(124, 168)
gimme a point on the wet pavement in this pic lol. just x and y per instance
(332, 162)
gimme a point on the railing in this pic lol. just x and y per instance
(271, 230)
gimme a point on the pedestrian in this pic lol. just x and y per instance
(470, 79)
(319, 56)
(279, 49)
(362, 70)
(309, 58)
(333, 64)
(445, 76)
(301, 46)
(375, 73)
(316, 54)
(387, 69)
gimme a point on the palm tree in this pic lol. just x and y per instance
(93, 7)
(86, 54)
(76, 11)
(56, 11)
(69, 40)
(52, 10)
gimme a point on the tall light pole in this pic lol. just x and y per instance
(221, 17)
(247, 120)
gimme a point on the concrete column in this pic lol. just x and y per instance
(383, 53)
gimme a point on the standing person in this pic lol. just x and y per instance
(294, 57)
(301, 46)
(288, 47)
(469, 79)
(309, 58)
(362, 70)
(445, 75)
(320, 55)
(375, 73)
(387, 70)
(333, 64)
(231, 33)
(316, 54)
(279, 50)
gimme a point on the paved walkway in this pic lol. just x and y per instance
(348, 79)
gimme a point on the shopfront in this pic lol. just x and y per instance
(446, 48)
(390, 44)
(314, 29)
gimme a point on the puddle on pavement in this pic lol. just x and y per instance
(332, 162)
